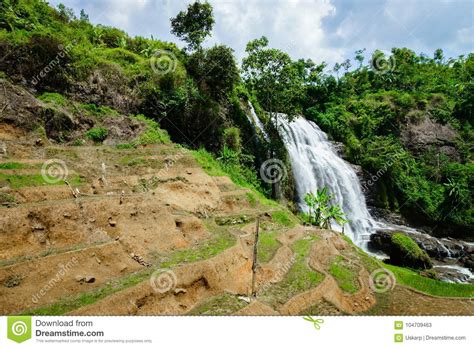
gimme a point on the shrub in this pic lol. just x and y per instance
(153, 133)
(98, 134)
(232, 139)
(54, 98)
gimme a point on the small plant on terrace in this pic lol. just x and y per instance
(321, 211)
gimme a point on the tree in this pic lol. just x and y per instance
(277, 82)
(194, 24)
(359, 56)
(66, 13)
(273, 77)
(83, 16)
(215, 69)
(438, 56)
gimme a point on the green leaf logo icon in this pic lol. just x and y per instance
(19, 328)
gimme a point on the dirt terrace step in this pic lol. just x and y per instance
(43, 281)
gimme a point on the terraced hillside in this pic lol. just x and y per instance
(145, 230)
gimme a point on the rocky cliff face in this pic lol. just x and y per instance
(425, 134)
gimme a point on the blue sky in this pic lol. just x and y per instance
(323, 30)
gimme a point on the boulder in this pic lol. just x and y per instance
(401, 249)
(406, 252)
(57, 123)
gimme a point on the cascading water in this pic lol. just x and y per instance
(315, 164)
(255, 121)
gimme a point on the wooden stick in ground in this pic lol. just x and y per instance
(72, 190)
(254, 264)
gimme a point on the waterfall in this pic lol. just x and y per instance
(256, 123)
(315, 164)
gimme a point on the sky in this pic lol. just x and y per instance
(323, 30)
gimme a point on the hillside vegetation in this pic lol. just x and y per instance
(406, 118)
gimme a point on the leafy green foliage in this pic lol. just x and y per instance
(98, 134)
(194, 24)
(321, 211)
(153, 134)
(369, 111)
(215, 69)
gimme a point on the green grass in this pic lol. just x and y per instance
(6, 198)
(409, 248)
(124, 146)
(12, 165)
(430, 286)
(299, 278)
(98, 111)
(69, 304)
(224, 304)
(284, 218)
(267, 246)
(346, 275)
(214, 168)
(251, 199)
(16, 181)
(219, 242)
(153, 133)
(132, 161)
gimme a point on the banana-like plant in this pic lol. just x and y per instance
(321, 212)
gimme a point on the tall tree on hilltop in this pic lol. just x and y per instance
(194, 24)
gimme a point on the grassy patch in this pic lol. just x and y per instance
(219, 242)
(284, 218)
(430, 286)
(251, 199)
(99, 111)
(53, 98)
(6, 198)
(12, 165)
(299, 278)
(413, 255)
(224, 304)
(16, 181)
(345, 275)
(153, 133)
(132, 161)
(214, 168)
(267, 246)
(124, 146)
(69, 304)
